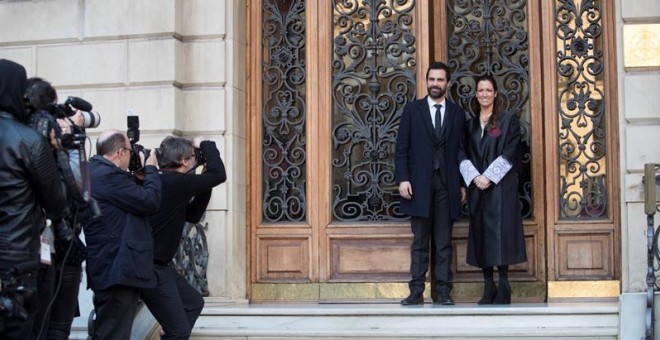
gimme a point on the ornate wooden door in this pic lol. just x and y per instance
(327, 83)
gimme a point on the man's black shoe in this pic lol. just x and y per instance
(445, 300)
(413, 299)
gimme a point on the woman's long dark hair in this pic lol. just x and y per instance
(496, 116)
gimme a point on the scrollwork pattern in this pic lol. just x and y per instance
(284, 141)
(581, 108)
(192, 257)
(373, 78)
(490, 37)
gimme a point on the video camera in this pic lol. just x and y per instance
(43, 112)
(44, 120)
(133, 133)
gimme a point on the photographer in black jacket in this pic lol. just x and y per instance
(174, 302)
(59, 279)
(31, 187)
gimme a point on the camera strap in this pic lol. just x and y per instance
(72, 189)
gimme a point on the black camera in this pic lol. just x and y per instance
(44, 119)
(133, 134)
(200, 157)
(17, 285)
(91, 119)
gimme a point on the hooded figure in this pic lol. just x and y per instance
(13, 83)
(30, 188)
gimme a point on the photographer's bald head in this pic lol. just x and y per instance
(114, 146)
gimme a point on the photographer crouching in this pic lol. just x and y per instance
(119, 242)
(60, 273)
(175, 304)
(31, 188)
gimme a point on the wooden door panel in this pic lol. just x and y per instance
(283, 259)
(585, 253)
(369, 258)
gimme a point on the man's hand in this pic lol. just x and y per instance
(405, 190)
(152, 159)
(53, 140)
(77, 119)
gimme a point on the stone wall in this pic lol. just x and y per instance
(638, 56)
(178, 64)
(639, 111)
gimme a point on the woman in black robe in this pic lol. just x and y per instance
(496, 235)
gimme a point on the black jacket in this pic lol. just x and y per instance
(414, 156)
(185, 197)
(29, 182)
(119, 242)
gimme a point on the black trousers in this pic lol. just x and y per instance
(438, 227)
(174, 303)
(65, 307)
(44, 295)
(115, 309)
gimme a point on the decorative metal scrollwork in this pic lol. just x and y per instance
(192, 257)
(581, 108)
(284, 111)
(373, 78)
(651, 182)
(490, 37)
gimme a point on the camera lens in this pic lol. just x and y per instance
(92, 119)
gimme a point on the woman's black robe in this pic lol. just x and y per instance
(496, 235)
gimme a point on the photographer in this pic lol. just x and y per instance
(30, 187)
(119, 242)
(59, 279)
(174, 302)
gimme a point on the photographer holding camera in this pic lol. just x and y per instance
(119, 242)
(174, 302)
(59, 280)
(31, 188)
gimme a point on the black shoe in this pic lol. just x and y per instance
(503, 294)
(445, 299)
(490, 292)
(413, 299)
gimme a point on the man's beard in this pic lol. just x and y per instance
(440, 92)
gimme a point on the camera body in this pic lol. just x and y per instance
(17, 285)
(44, 120)
(91, 119)
(200, 157)
(133, 134)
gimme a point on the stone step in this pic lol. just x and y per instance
(392, 321)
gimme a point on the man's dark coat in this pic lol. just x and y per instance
(414, 155)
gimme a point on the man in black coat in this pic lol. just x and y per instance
(174, 302)
(119, 242)
(30, 185)
(430, 135)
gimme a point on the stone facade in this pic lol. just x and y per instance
(639, 123)
(178, 64)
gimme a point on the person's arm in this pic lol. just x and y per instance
(402, 149)
(197, 206)
(140, 200)
(46, 181)
(214, 171)
(201, 186)
(402, 154)
(503, 164)
(468, 171)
